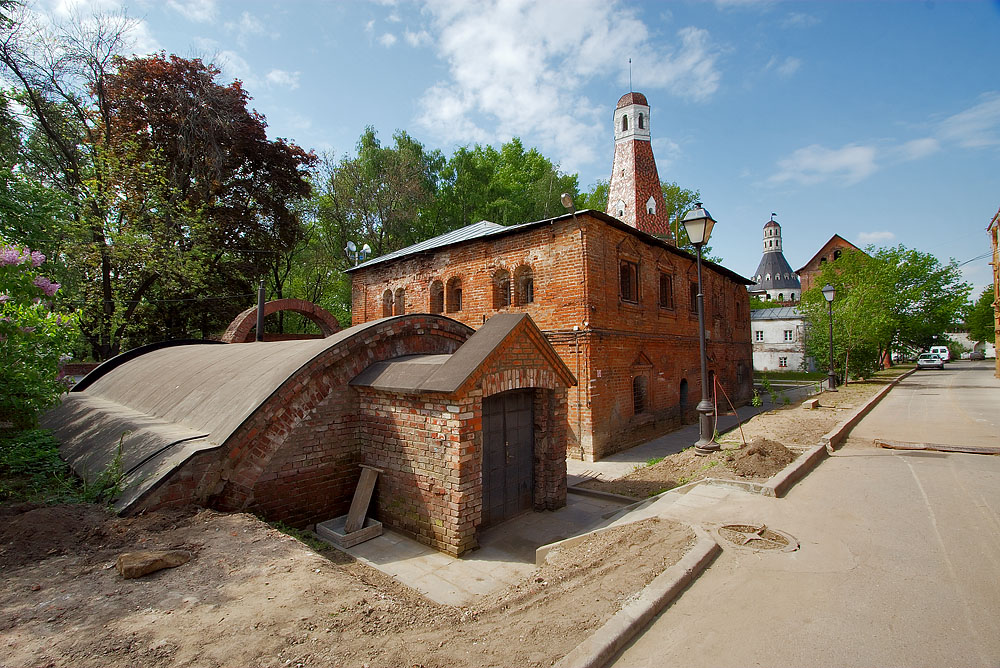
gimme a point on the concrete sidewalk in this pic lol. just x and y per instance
(622, 463)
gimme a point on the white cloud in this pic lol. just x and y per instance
(393, 18)
(976, 127)
(510, 69)
(247, 26)
(816, 164)
(370, 27)
(421, 38)
(282, 78)
(875, 237)
(387, 39)
(799, 20)
(919, 148)
(64, 9)
(785, 67)
(199, 11)
(234, 66)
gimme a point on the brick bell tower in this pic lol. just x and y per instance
(634, 193)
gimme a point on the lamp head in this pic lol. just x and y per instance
(698, 224)
(567, 201)
(829, 292)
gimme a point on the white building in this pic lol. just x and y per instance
(779, 340)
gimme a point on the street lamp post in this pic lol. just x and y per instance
(698, 224)
(829, 292)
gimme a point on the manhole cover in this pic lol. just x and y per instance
(758, 537)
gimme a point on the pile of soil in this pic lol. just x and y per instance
(252, 596)
(761, 458)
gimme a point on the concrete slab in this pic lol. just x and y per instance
(506, 554)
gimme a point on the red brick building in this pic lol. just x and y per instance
(831, 251)
(617, 305)
(280, 428)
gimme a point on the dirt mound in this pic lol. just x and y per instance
(762, 458)
(30, 533)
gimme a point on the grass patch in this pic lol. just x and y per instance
(31, 470)
(301, 535)
(653, 461)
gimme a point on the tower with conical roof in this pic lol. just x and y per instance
(775, 280)
(634, 193)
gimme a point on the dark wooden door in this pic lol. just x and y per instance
(508, 455)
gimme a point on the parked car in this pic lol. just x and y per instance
(977, 355)
(942, 352)
(930, 361)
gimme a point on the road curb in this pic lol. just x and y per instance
(836, 436)
(602, 645)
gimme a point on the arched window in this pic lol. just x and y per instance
(387, 303)
(639, 395)
(836, 254)
(524, 286)
(792, 296)
(501, 289)
(781, 297)
(437, 297)
(624, 122)
(767, 277)
(621, 208)
(454, 295)
(399, 303)
(640, 120)
(650, 203)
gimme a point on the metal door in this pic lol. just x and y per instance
(508, 455)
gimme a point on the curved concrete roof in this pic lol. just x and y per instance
(170, 403)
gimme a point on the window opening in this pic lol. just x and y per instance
(758, 335)
(501, 289)
(640, 121)
(524, 286)
(639, 395)
(437, 297)
(789, 335)
(782, 362)
(694, 297)
(666, 290)
(624, 122)
(399, 304)
(387, 303)
(629, 281)
(454, 296)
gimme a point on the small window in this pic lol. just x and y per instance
(624, 123)
(792, 296)
(437, 297)
(651, 206)
(666, 290)
(501, 289)
(758, 335)
(387, 303)
(454, 295)
(836, 254)
(782, 362)
(789, 335)
(822, 260)
(640, 121)
(693, 297)
(399, 303)
(524, 286)
(781, 296)
(621, 208)
(629, 283)
(639, 395)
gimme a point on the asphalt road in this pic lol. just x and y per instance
(899, 563)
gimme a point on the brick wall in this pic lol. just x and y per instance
(576, 268)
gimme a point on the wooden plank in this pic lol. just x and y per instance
(969, 449)
(362, 497)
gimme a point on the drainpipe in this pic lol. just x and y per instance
(260, 312)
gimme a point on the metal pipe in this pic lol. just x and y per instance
(832, 375)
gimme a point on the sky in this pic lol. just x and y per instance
(876, 121)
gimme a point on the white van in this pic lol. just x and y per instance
(942, 352)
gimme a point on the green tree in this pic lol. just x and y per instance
(889, 297)
(172, 185)
(33, 337)
(980, 318)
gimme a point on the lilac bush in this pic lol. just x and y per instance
(33, 338)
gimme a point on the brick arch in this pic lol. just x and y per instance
(314, 407)
(241, 328)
